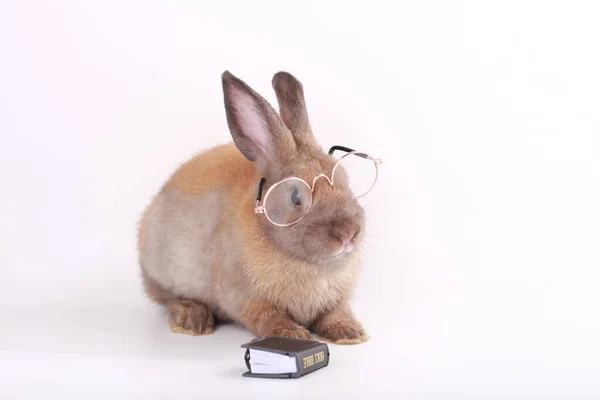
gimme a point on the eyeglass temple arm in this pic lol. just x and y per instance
(342, 148)
(347, 150)
(261, 185)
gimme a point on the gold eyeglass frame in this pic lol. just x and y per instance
(260, 202)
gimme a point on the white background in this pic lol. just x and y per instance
(482, 271)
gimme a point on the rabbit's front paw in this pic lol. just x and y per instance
(190, 317)
(345, 331)
(288, 330)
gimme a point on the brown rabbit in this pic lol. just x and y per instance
(208, 253)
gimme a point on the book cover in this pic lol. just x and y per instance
(277, 357)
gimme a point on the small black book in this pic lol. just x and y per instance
(276, 357)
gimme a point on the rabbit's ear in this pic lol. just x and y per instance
(292, 106)
(257, 130)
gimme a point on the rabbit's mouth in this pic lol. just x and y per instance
(331, 241)
(346, 247)
(321, 239)
(340, 252)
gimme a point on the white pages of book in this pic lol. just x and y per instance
(266, 362)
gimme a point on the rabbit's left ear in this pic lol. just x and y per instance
(292, 106)
(255, 126)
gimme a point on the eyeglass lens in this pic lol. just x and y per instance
(359, 173)
(288, 201)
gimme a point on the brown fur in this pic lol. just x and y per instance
(205, 254)
(265, 318)
(212, 169)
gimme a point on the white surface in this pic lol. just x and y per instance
(482, 274)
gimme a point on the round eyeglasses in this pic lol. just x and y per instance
(287, 201)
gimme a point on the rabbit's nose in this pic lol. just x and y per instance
(345, 239)
(344, 231)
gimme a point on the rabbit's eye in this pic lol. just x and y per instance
(296, 197)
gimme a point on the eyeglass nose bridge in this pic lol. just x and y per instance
(316, 178)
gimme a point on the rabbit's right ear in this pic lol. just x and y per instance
(256, 128)
(292, 106)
